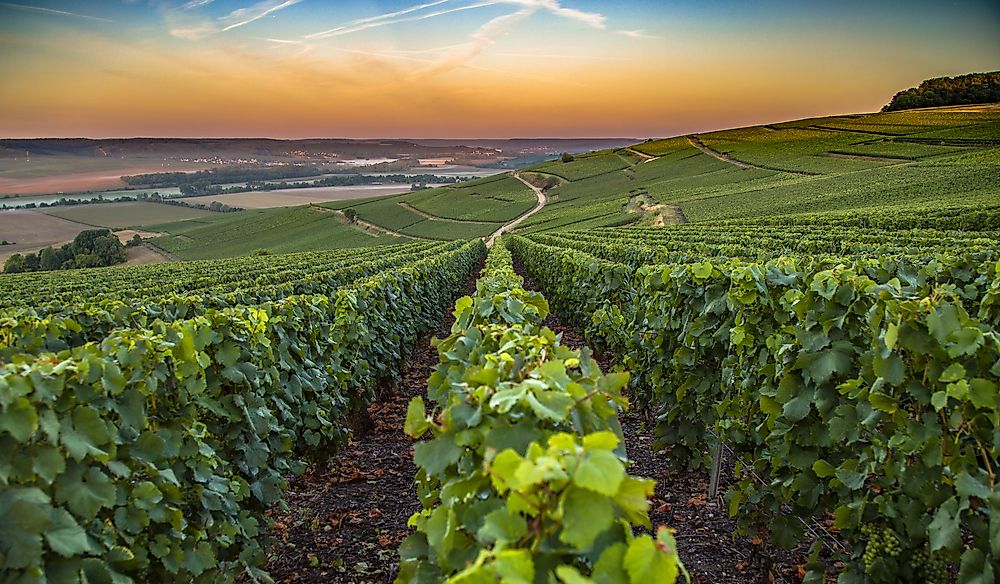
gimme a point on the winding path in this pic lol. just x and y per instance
(514, 223)
(697, 143)
(427, 215)
(645, 157)
(367, 226)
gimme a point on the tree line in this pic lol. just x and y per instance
(960, 90)
(221, 175)
(92, 248)
(347, 180)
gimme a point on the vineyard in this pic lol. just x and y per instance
(819, 347)
(153, 433)
(851, 373)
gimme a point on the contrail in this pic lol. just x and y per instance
(52, 11)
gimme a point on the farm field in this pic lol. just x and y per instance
(840, 163)
(280, 230)
(127, 214)
(31, 230)
(71, 174)
(293, 197)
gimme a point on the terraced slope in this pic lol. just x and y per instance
(917, 158)
(924, 157)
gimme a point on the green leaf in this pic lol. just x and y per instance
(416, 418)
(966, 341)
(65, 536)
(701, 270)
(881, 401)
(86, 493)
(554, 374)
(975, 568)
(943, 532)
(228, 354)
(601, 441)
(967, 486)
(502, 526)
(504, 467)
(954, 372)
(515, 566)
(86, 435)
(570, 575)
(891, 335)
(610, 567)
(851, 479)
(48, 462)
(586, 515)
(200, 558)
(19, 419)
(146, 495)
(435, 455)
(633, 498)
(797, 408)
(939, 400)
(982, 393)
(550, 405)
(823, 469)
(821, 366)
(647, 564)
(25, 513)
(600, 471)
(891, 369)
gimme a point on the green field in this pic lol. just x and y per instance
(128, 214)
(841, 163)
(281, 230)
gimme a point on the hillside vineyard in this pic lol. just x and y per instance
(814, 305)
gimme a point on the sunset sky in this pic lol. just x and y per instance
(467, 68)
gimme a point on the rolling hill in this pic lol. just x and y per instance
(927, 157)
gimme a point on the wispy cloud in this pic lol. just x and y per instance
(390, 18)
(244, 16)
(420, 12)
(195, 4)
(53, 11)
(637, 34)
(200, 29)
(479, 40)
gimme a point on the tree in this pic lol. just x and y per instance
(351, 215)
(14, 264)
(48, 259)
(87, 260)
(567, 157)
(31, 262)
(963, 89)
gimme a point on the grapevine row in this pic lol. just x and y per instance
(523, 476)
(870, 400)
(152, 454)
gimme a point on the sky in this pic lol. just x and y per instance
(467, 68)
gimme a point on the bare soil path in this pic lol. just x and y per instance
(512, 224)
(697, 143)
(427, 215)
(367, 226)
(645, 157)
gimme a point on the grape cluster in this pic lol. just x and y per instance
(880, 543)
(932, 568)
